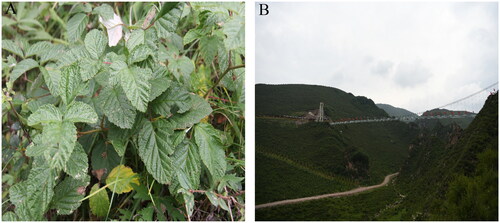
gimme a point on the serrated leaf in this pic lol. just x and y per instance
(121, 178)
(32, 196)
(80, 112)
(199, 110)
(154, 150)
(235, 32)
(188, 165)
(95, 43)
(38, 48)
(136, 81)
(54, 53)
(104, 10)
(78, 163)
(70, 83)
(12, 47)
(72, 55)
(211, 150)
(76, 26)
(139, 54)
(35, 148)
(176, 99)
(21, 68)
(45, 114)
(59, 139)
(209, 47)
(167, 24)
(116, 107)
(137, 37)
(68, 195)
(99, 203)
(192, 35)
(166, 8)
(89, 68)
(182, 66)
(51, 78)
(159, 83)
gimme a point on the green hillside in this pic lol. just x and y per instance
(349, 155)
(297, 99)
(395, 111)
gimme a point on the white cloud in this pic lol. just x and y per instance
(408, 54)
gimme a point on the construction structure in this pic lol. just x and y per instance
(321, 113)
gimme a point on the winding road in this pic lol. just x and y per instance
(338, 194)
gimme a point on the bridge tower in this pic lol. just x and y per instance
(321, 114)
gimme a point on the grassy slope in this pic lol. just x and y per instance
(395, 111)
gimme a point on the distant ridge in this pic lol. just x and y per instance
(395, 111)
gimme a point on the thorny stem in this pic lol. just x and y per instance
(221, 77)
(92, 131)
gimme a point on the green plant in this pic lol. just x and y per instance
(142, 102)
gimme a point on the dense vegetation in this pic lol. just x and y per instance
(298, 99)
(123, 111)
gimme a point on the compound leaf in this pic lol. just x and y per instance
(116, 107)
(45, 114)
(76, 26)
(68, 195)
(78, 163)
(59, 139)
(70, 83)
(136, 82)
(21, 68)
(211, 151)
(95, 43)
(199, 110)
(174, 98)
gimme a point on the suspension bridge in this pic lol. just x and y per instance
(450, 110)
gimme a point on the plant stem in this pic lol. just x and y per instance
(221, 77)
(92, 131)
(20, 122)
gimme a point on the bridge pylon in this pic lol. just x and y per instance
(321, 113)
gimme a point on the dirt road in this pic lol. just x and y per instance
(338, 194)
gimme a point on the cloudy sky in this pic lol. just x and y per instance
(408, 54)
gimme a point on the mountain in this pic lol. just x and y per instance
(395, 111)
(298, 99)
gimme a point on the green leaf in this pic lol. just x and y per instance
(135, 80)
(89, 68)
(38, 48)
(192, 35)
(116, 107)
(12, 47)
(9, 216)
(21, 68)
(45, 114)
(209, 45)
(139, 54)
(167, 24)
(235, 32)
(211, 150)
(51, 77)
(72, 55)
(76, 26)
(99, 203)
(104, 157)
(119, 139)
(154, 150)
(137, 37)
(159, 82)
(188, 165)
(121, 178)
(59, 139)
(182, 66)
(105, 11)
(78, 163)
(95, 43)
(80, 112)
(32, 196)
(54, 53)
(70, 83)
(199, 110)
(166, 8)
(176, 98)
(68, 195)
